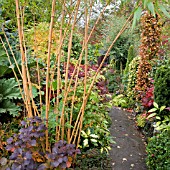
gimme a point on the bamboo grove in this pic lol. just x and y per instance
(66, 28)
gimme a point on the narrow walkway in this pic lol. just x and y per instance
(129, 151)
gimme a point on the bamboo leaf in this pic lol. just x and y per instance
(137, 15)
(145, 3)
(151, 8)
(162, 8)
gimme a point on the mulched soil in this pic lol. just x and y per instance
(129, 151)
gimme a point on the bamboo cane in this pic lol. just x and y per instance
(26, 65)
(85, 78)
(48, 68)
(66, 74)
(24, 72)
(79, 117)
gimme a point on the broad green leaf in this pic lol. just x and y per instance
(94, 136)
(156, 105)
(9, 89)
(136, 17)
(167, 118)
(157, 117)
(151, 115)
(162, 108)
(151, 8)
(88, 132)
(34, 91)
(67, 124)
(145, 3)
(162, 8)
(101, 150)
(8, 106)
(152, 110)
(54, 84)
(158, 123)
(84, 134)
(85, 143)
(94, 140)
(4, 70)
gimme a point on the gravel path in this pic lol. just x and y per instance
(129, 151)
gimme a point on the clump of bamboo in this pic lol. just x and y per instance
(72, 134)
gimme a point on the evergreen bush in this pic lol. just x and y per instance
(129, 58)
(158, 152)
(162, 90)
(132, 75)
(126, 70)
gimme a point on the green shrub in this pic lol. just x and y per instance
(162, 90)
(119, 52)
(126, 70)
(158, 150)
(131, 82)
(141, 120)
(120, 101)
(129, 59)
(114, 79)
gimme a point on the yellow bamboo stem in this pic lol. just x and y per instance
(86, 62)
(66, 74)
(48, 68)
(94, 78)
(26, 65)
(24, 72)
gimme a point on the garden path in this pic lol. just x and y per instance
(129, 151)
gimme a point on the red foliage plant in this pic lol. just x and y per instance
(148, 97)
